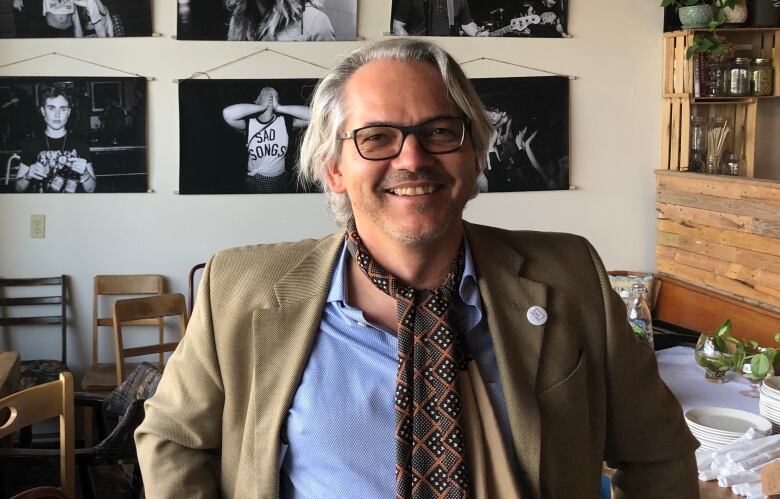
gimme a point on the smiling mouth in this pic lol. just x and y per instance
(413, 191)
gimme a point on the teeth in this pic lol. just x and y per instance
(412, 191)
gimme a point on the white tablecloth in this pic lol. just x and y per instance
(686, 379)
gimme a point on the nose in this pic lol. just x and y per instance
(412, 155)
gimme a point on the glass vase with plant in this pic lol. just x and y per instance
(721, 352)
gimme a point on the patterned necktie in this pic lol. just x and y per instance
(430, 445)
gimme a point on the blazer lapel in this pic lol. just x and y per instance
(506, 298)
(283, 338)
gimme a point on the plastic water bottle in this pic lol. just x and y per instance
(639, 314)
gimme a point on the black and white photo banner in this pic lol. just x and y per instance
(75, 18)
(267, 20)
(241, 136)
(529, 149)
(73, 134)
(488, 18)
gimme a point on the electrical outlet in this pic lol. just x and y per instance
(38, 226)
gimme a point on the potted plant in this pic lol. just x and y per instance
(728, 12)
(692, 13)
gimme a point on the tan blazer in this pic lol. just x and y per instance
(579, 389)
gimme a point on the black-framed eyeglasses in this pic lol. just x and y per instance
(438, 135)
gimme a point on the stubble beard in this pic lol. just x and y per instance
(413, 236)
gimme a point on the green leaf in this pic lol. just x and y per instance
(759, 366)
(724, 328)
(666, 3)
(777, 336)
(720, 344)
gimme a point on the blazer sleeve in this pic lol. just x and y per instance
(179, 436)
(647, 440)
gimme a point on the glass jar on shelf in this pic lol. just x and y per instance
(732, 165)
(715, 84)
(761, 77)
(698, 143)
(739, 79)
(717, 136)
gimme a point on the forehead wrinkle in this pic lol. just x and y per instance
(375, 100)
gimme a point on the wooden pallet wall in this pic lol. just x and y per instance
(721, 233)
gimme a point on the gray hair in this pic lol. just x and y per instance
(321, 145)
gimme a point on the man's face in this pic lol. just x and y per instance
(56, 112)
(494, 116)
(416, 197)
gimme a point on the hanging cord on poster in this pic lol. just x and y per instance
(59, 54)
(257, 52)
(571, 77)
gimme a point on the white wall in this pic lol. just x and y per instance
(615, 53)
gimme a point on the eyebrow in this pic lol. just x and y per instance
(390, 123)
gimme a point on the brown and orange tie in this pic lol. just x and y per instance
(430, 445)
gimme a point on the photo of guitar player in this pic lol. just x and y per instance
(488, 18)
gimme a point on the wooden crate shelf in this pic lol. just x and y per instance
(748, 42)
(680, 104)
(721, 233)
(676, 130)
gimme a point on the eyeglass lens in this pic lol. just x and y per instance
(438, 136)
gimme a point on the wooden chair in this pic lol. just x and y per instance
(39, 371)
(40, 403)
(118, 415)
(101, 377)
(150, 307)
(194, 280)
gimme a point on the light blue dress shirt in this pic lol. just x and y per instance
(341, 425)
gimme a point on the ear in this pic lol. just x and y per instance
(335, 179)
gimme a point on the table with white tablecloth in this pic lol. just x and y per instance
(686, 379)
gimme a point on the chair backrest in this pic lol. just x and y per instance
(195, 273)
(36, 300)
(122, 285)
(40, 403)
(148, 307)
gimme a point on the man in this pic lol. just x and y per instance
(267, 139)
(434, 18)
(414, 355)
(55, 161)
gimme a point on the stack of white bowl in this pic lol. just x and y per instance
(715, 427)
(769, 402)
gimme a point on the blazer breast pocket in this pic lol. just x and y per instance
(565, 393)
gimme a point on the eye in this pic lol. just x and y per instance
(442, 131)
(374, 137)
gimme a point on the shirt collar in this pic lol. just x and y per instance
(468, 289)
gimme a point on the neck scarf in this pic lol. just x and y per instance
(430, 444)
